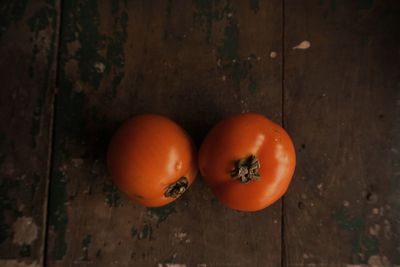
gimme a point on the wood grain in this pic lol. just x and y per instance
(195, 62)
(28, 46)
(342, 106)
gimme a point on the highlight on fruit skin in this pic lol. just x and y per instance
(248, 161)
(152, 160)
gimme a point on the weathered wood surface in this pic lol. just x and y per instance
(194, 61)
(342, 107)
(28, 37)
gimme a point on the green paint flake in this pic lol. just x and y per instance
(85, 24)
(5, 229)
(8, 209)
(2, 158)
(113, 198)
(40, 20)
(168, 19)
(346, 222)
(370, 246)
(330, 9)
(35, 51)
(35, 185)
(114, 6)
(365, 4)
(163, 212)
(134, 232)
(228, 53)
(361, 242)
(87, 240)
(206, 14)
(11, 12)
(35, 127)
(255, 5)
(2, 141)
(58, 218)
(240, 71)
(229, 50)
(115, 50)
(25, 251)
(333, 5)
(2, 138)
(253, 87)
(145, 233)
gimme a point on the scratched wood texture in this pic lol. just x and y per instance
(194, 61)
(342, 107)
(28, 34)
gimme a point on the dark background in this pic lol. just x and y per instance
(72, 71)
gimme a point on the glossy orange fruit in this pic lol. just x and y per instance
(152, 160)
(248, 161)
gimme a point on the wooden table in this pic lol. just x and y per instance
(71, 71)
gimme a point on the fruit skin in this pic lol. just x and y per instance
(238, 137)
(147, 154)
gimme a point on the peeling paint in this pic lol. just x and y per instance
(113, 198)
(97, 54)
(361, 241)
(228, 53)
(115, 49)
(69, 125)
(206, 14)
(25, 231)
